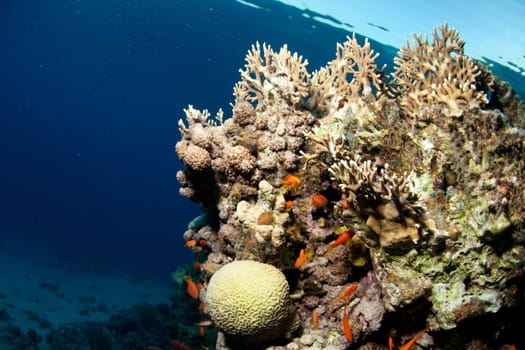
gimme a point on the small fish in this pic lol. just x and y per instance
(193, 291)
(513, 347)
(344, 202)
(291, 181)
(342, 239)
(204, 323)
(301, 259)
(190, 243)
(201, 308)
(412, 341)
(199, 285)
(289, 205)
(202, 242)
(346, 326)
(347, 293)
(314, 319)
(202, 331)
(198, 266)
(319, 200)
(390, 343)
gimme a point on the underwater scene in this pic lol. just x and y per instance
(261, 174)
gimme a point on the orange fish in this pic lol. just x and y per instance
(202, 242)
(199, 285)
(197, 266)
(193, 291)
(291, 181)
(390, 343)
(347, 293)
(301, 259)
(289, 205)
(344, 203)
(314, 319)
(342, 239)
(202, 331)
(346, 327)
(412, 341)
(201, 308)
(190, 243)
(319, 201)
(204, 323)
(512, 347)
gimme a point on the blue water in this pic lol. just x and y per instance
(90, 96)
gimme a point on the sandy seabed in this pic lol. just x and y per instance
(40, 292)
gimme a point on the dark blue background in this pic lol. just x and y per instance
(90, 96)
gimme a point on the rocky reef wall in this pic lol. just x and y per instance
(391, 204)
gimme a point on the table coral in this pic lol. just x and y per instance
(426, 167)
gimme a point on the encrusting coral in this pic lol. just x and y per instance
(411, 189)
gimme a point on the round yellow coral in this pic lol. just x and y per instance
(249, 300)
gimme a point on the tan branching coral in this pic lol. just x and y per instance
(268, 74)
(437, 72)
(195, 117)
(356, 174)
(389, 199)
(350, 77)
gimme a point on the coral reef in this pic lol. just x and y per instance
(410, 187)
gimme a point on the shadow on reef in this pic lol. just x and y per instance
(142, 326)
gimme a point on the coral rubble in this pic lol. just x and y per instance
(426, 168)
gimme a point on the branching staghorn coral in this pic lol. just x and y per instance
(194, 117)
(437, 72)
(378, 192)
(268, 71)
(349, 78)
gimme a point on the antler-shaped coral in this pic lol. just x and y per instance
(272, 73)
(352, 75)
(196, 117)
(368, 186)
(437, 73)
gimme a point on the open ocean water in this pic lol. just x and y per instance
(90, 96)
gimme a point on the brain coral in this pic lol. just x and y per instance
(249, 301)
